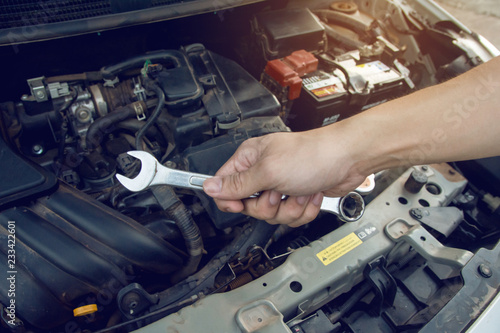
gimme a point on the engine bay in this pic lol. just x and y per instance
(88, 255)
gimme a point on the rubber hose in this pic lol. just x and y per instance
(192, 238)
(174, 56)
(347, 20)
(338, 36)
(87, 76)
(176, 211)
(96, 130)
(152, 119)
(134, 125)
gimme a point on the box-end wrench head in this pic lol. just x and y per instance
(348, 208)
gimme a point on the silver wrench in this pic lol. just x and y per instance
(348, 208)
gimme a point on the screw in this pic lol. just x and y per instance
(469, 196)
(170, 164)
(24, 97)
(40, 94)
(485, 271)
(425, 168)
(416, 213)
(37, 149)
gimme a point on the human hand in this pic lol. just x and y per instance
(303, 166)
(421, 128)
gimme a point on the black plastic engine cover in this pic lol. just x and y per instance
(281, 32)
(21, 178)
(207, 158)
(484, 173)
(229, 96)
(70, 249)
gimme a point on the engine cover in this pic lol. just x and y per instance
(71, 250)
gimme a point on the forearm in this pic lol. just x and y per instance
(456, 120)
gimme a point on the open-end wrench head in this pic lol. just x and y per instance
(145, 176)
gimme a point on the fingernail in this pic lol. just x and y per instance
(274, 198)
(317, 199)
(301, 200)
(212, 185)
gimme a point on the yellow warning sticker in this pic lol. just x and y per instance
(338, 249)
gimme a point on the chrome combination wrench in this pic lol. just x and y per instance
(348, 208)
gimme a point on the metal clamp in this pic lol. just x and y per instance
(429, 247)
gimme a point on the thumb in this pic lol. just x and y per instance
(238, 185)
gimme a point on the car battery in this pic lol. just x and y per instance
(329, 96)
(322, 101)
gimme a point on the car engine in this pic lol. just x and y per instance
(81, 253)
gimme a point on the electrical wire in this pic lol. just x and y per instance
(152, 119)
(64, 125)
(347, 84)
(165, 310)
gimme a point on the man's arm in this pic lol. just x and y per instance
(456, 120)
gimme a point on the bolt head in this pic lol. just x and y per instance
(37, 149)
(83, 114)
(485, 271)
(416, 213)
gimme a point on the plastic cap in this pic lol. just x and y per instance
(85, 310)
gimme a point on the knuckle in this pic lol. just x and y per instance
(271, 221)
(309, 215)
(222, 205)
(262, 208)
(228, 206)
(268, 215)
(294, 209)
(295, 224)
(265, 214)
(290, 217)
(236, 183)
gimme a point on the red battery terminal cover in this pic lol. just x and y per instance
(302, 62)
(287, 71)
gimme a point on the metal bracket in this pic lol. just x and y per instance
(111, 83)
(133, 300)
(261, 316)
(139, 111)
(304, 282)
(37, 88)
(430, 248)
(383, 284)
(139, 91)
(442, 219)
